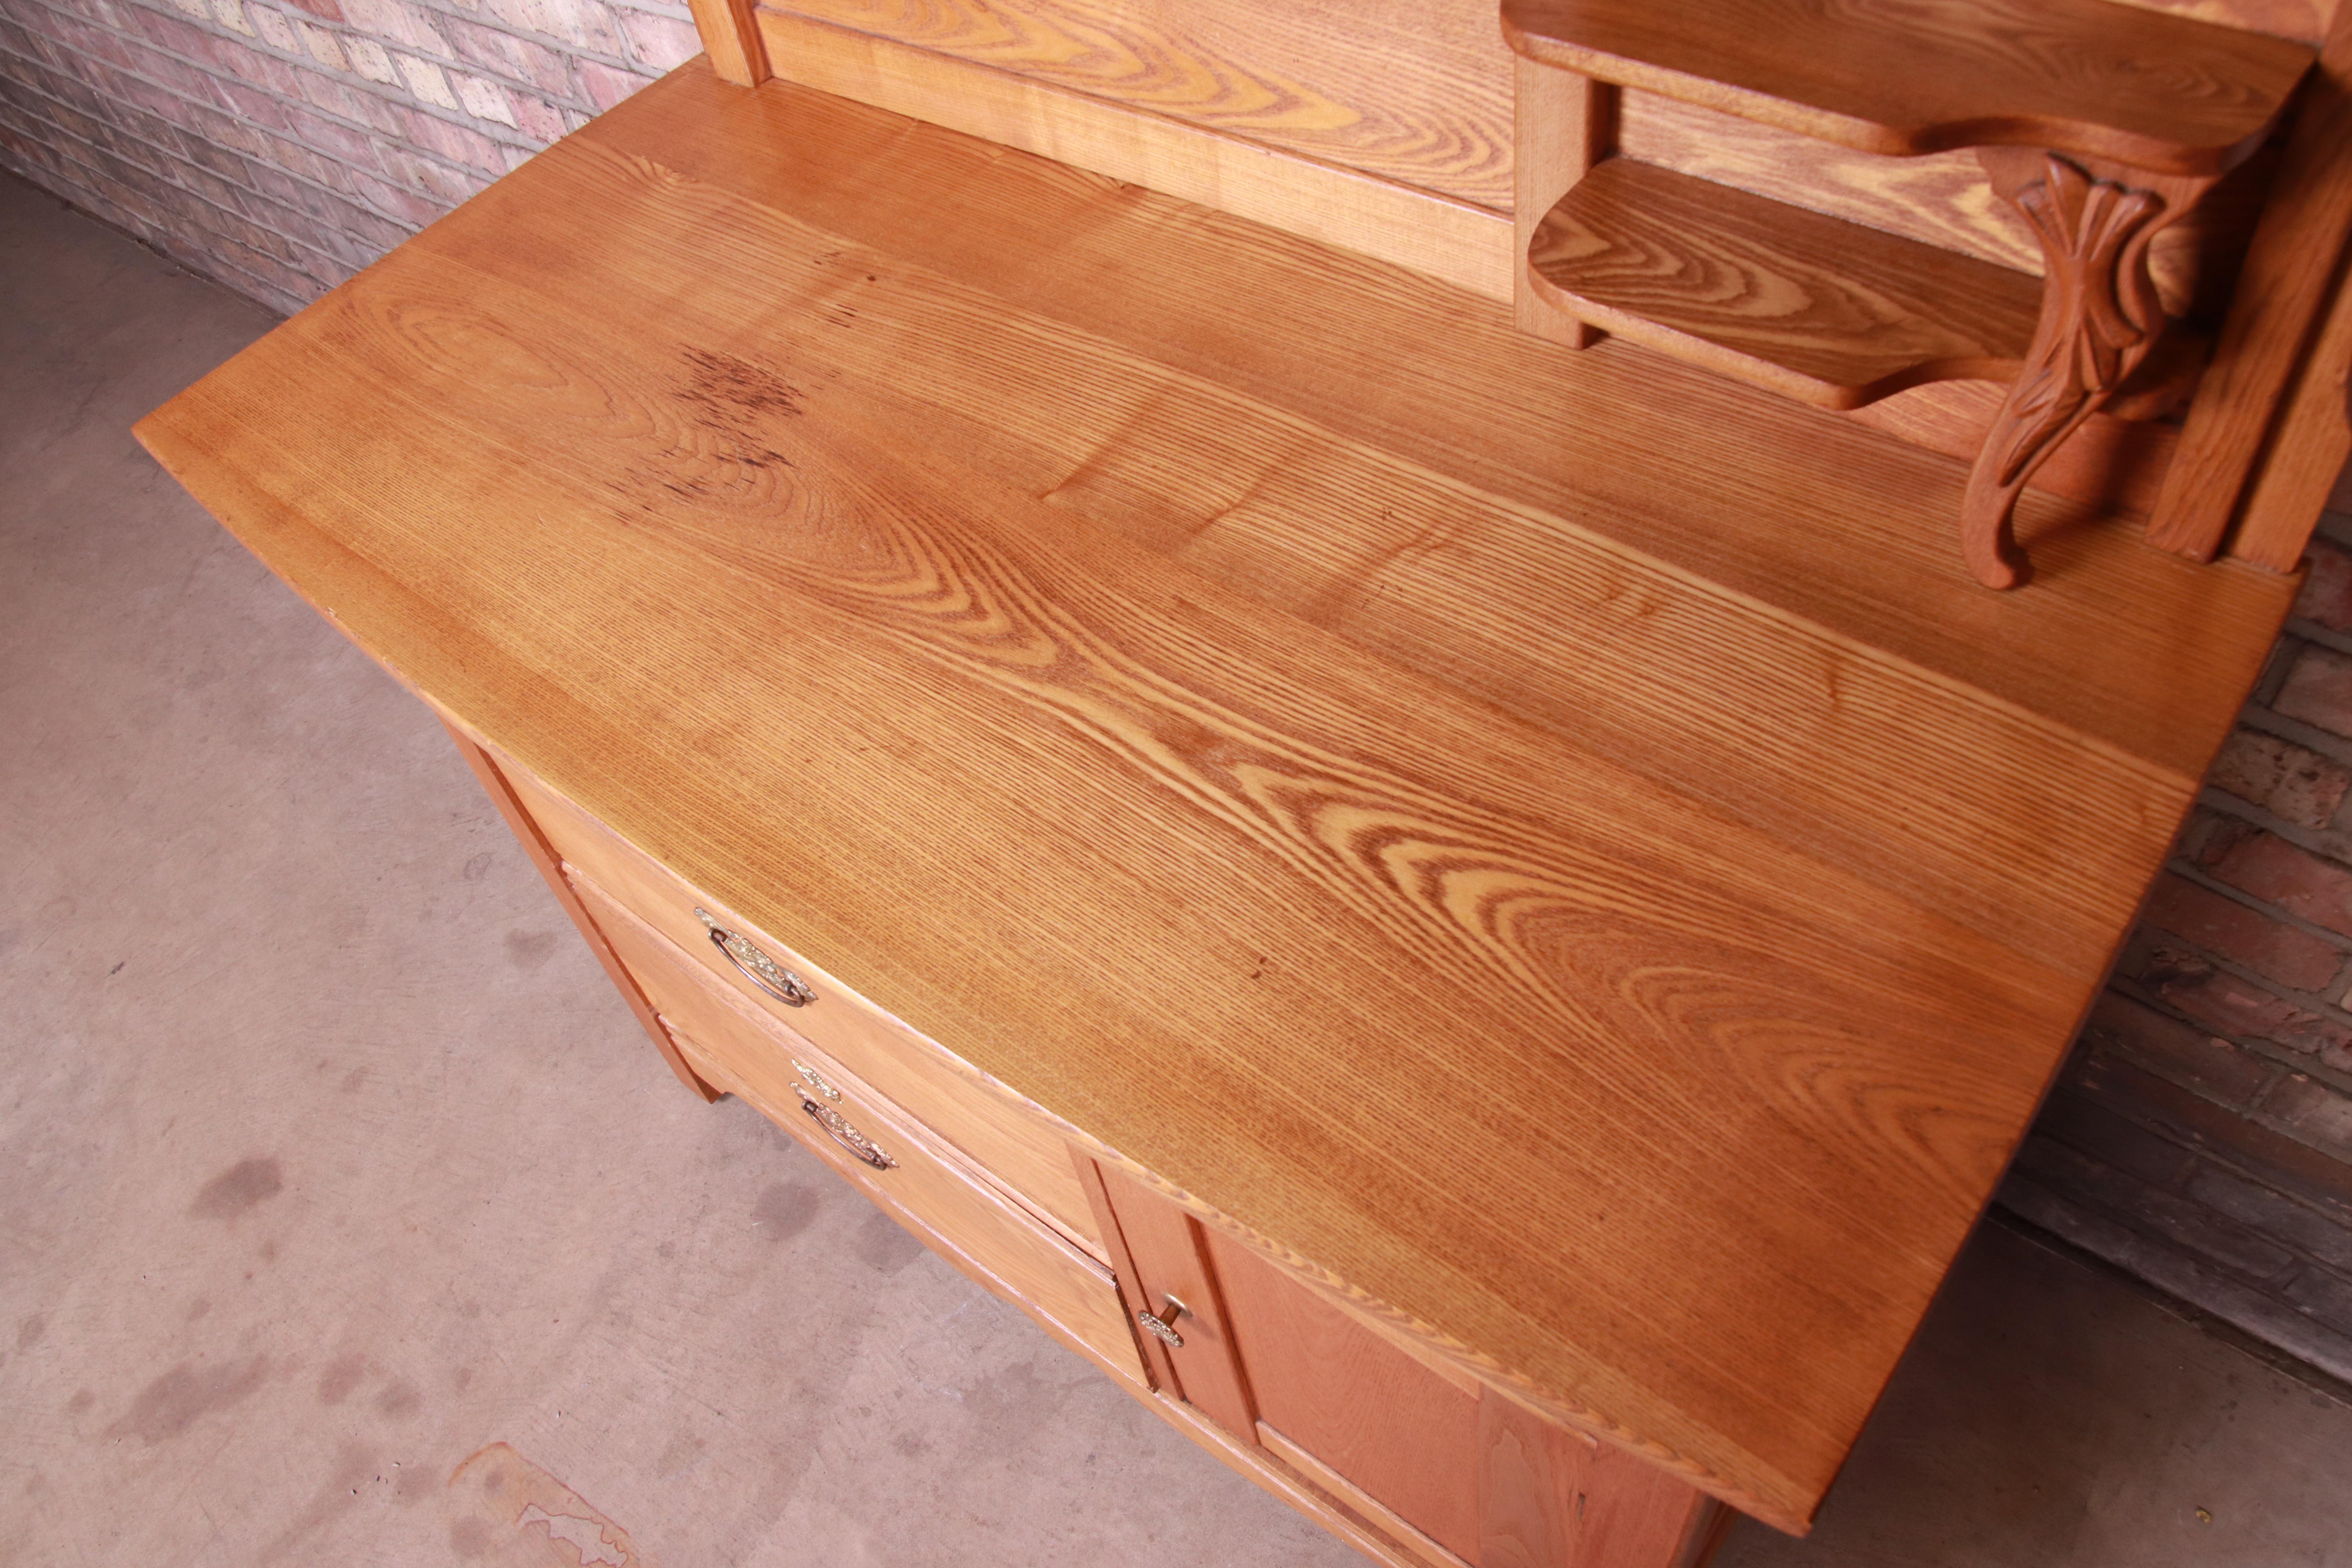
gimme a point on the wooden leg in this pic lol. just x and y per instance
(1563, 123)
(2100, 317)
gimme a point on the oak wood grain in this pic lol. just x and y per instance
(1414, 375)
(2162, 92)
(2306, 21)
(950, 1207)
(1812, 306)
(1460, 241)
(1015, 764)
(1250, 1459)
(2111, 465)
(1417, 92)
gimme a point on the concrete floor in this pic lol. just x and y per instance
(331, 1162)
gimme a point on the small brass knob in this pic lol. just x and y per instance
(1163, 1327)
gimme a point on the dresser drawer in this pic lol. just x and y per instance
(1009, 1136)
(915, 1176)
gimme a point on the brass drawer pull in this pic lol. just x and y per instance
(848, 1137)
(1163, 1327)
(810, 1077)
(756, 967)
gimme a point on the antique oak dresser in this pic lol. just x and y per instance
(1429, 720)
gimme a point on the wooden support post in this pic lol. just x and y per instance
(2308, 448)
(1563, 123)
(2273, 317)
(730, 36)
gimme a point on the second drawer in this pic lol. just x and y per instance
(895, 1161)
(1012, 1136)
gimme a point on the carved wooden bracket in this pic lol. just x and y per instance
(2100, 318)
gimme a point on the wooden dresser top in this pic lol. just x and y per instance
(1555, 841)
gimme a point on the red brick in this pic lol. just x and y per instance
(2278, 872)
(2082, 1123)
(2211, 1066)
(607, 87)
(454, 143)
(2276, 952)
(2269, 1155)
(2318, 691)
(2326, 596)
(535, 117)
(2288, 780)
(517, 60)
(2317, 1114)
(660, 43)
(326, 10)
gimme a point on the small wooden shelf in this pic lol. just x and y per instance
(2159, 92)
(1813, 307)
(2098, 123)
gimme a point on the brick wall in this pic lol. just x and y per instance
(280, 145)
(2202, 1137)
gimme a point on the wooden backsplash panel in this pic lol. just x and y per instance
(1417, 92)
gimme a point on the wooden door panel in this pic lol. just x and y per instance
(1552, 1497)
(1403, 1434)
(1157, 1251)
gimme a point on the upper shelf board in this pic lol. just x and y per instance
(1813, 307)
(2096, 80)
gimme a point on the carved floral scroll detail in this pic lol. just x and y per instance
(2100, 317)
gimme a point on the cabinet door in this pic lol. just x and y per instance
(1450, 1469)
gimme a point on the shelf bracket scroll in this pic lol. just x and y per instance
(2101, 316)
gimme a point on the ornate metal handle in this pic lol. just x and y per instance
(756, 967)
(810, 1077)
(848, 1137)
(1163, 1327)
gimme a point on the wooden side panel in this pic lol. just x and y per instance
(1384, 1421)
(2306, 452)
(2290, 271)
(1551, 1498)
(502, 795)
(1006, 1134)
(1417, 92)
(1168, 1256)
(1462, 242)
